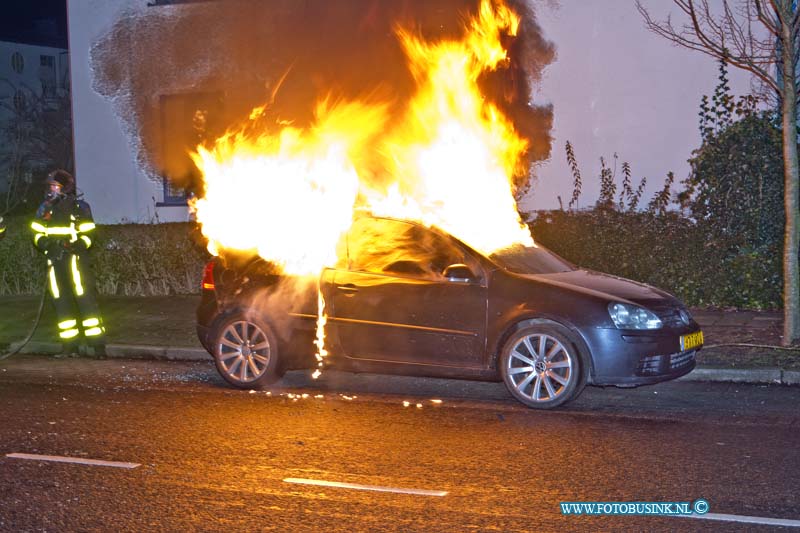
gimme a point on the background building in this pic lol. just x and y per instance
(34, 117)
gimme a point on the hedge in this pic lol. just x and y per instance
(668, 251)
(129, 259)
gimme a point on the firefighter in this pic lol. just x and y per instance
(63, 229)
(2, 228)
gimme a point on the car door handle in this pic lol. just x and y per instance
(347, 288)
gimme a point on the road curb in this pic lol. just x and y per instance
(791, 377)
(744, 375)
(173, 353)
(37, 347)
(133, 351)
(140, 351)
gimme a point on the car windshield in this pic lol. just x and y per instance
(530, 260)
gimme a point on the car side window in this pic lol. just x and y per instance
(400, 249)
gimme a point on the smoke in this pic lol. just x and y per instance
(179, 75)
(259, 289)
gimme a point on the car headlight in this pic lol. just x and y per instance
(627, 316)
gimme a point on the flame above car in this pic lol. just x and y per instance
(446, 158)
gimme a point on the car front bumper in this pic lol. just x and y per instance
(639, 358)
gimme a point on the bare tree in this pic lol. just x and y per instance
(36, 135)
(761, 37)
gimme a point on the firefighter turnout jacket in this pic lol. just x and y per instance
(2, 228)
(62, 233)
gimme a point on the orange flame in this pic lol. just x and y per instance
(456, 154)
(289, 195)
(319, 342)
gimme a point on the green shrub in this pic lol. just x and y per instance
(128, 259)
(668, 251)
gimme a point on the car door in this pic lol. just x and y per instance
(392, 303)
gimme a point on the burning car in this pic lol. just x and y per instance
(442, 278)
(405, 298)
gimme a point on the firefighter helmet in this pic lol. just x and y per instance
(63, 179)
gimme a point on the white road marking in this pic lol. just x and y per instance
(745, 519)
(77, 460)
(358, 486)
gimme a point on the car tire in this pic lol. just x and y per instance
(245, 351)
(542, 367)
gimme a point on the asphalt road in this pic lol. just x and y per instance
(215, 459)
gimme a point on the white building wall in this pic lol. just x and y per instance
(114, 184)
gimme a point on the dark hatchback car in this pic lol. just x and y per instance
(408, 299)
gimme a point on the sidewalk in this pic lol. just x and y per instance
(164, 328)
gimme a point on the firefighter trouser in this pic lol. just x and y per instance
(71, 284)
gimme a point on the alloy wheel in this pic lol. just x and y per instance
(540, 367)
(243, 351)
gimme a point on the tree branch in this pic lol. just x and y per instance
(708, 35)
(770, 24)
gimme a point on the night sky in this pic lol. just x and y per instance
(41, 22)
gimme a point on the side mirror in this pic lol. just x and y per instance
(459, 273)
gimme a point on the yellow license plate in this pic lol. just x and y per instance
(692, 340)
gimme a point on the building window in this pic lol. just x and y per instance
(173, 195)
(156, 3)
(63, 71)
(47, 75)
(17, 62)
(19, 100)
(187, 120)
